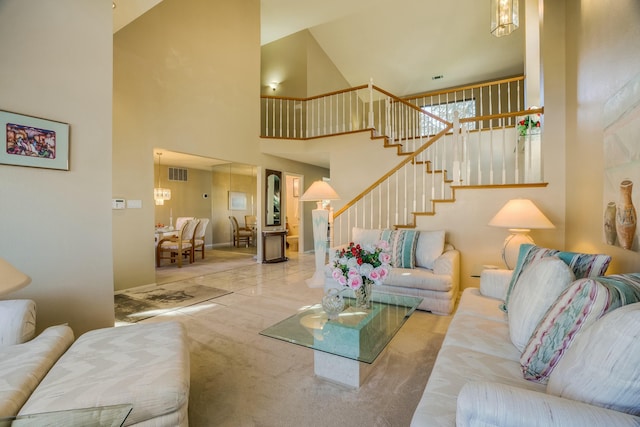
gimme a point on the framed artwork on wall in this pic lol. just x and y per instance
(34, 142)
(237, 201)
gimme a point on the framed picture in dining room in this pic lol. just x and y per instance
(33, 142)
(237, 201)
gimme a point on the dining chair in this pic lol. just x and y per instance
(251, 223)
(180, 221)
(199, 238)
(189, 236)
(175, 247)
(240, 233)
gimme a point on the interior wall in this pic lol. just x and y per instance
(223, 180)
(56, 225)
(177, 86)
(603, 55)
(300, 66)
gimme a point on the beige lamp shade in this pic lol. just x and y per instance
(319, 190)
(519, 216)
(11, 279)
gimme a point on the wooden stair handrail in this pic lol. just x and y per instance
(394, 170)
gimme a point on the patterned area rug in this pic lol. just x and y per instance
(134, 306)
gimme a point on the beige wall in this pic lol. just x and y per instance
(603, 54)
(186, 79)
(56, 225)
(301, 67)
(223, 180)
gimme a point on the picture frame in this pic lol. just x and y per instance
(33, 142)
(237, 201)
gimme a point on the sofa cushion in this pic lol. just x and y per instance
(602, 367)
(578, 307)
(365, 236)
(23, 366)
(418, 278)
(540, 284)
(582, 265)
(429, 247)
(146, 365)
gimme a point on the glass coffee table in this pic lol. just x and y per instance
(346, 348)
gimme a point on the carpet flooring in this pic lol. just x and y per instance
(241, 378)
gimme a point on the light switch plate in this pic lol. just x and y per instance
(117, 203)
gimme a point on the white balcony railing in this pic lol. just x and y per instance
(437, 153)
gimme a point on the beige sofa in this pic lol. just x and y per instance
(589, 338)
(146, 366)
(435, 277)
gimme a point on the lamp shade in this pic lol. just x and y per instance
(520, 214)
(11, 279)
(319, 190)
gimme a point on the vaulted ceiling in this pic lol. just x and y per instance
(401, 44)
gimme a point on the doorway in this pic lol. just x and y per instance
(294, 223)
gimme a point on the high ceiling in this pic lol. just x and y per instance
(400, 44)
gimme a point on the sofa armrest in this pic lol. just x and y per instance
(492, 404)
(448, 264)
(17, 321)
(494, 283)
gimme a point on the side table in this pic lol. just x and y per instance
(277, 251)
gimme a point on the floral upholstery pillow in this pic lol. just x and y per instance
(582, 265)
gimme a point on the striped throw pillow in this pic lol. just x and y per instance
(403, 247)
(579, 306)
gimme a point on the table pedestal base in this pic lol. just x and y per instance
(341, 370)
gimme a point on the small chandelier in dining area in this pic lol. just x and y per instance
(504, 17)
(160, 194)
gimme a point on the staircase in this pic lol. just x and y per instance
(444, 142)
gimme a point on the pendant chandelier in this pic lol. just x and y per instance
(160, 194)
(504, 17)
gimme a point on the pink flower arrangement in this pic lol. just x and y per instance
(356, 264)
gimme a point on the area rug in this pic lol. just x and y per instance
(137, 305)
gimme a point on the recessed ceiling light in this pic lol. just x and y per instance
(113, 5)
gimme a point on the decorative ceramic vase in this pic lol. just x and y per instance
(363, 295)
(332, 303)
(610, 223)
(626, 216)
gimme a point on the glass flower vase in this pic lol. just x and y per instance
(363, 295)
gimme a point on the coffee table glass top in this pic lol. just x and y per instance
(104, 416)
(356, 334)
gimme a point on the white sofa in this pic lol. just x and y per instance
(146, 366)
(477, 379)
(435, 276)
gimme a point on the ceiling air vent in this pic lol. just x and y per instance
(178, 174)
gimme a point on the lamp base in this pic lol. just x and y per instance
(511, 247)
(320, 219)
(317, 280)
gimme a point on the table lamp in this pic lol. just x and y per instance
(11, 279)
(519, 216)
(318, 192)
